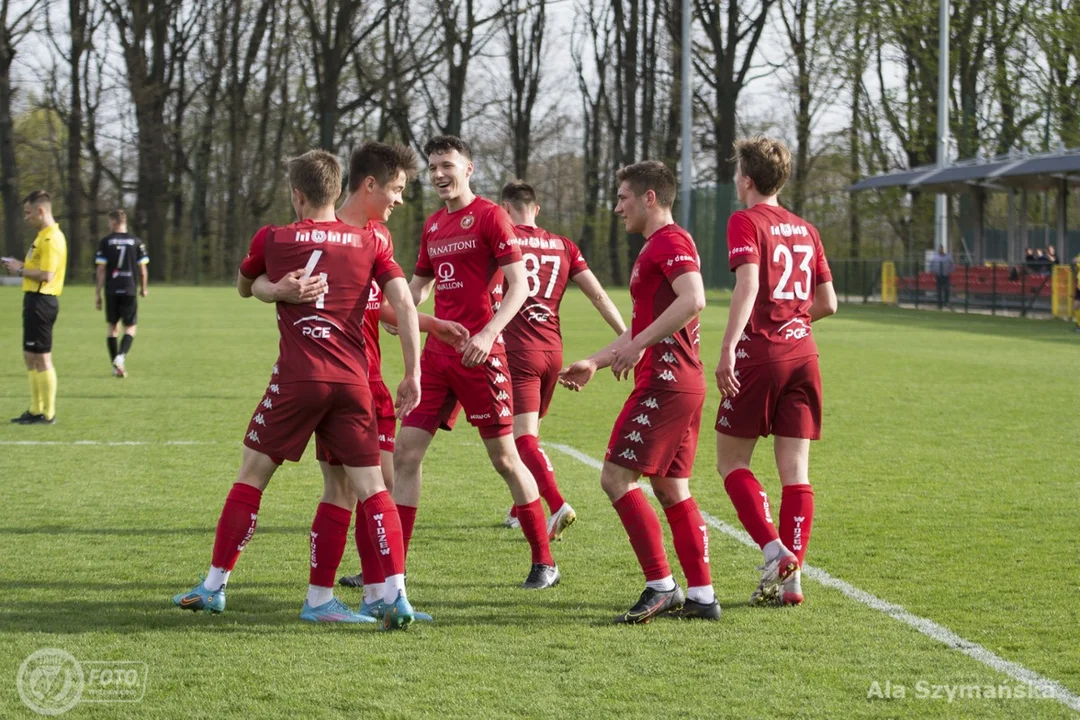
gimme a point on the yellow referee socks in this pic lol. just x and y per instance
(35, 396)
(47, 392)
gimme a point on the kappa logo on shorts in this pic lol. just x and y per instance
(267, 404)
(259, 419)
(274, 371)
(724, 421)
(275, 389)
(669, 340)
(643, 419)
(505, 412)
(668, 376)
(744, 337)
(628, 454)
(651, 403)
(496, 363)
(500, 378)
(668, 358)
(727, 404)
(635, 436)
(254, 437)
(502, 395)
(742, 354)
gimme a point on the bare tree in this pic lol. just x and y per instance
(524, 21)
(144, 27)
(465, 33)
(336, 29)
(13, 28)
(723, 63)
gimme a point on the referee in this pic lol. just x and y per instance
(43, 281)
(120, 257)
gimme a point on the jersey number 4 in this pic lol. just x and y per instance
(532, 272)
(320, 302)
(800, 289)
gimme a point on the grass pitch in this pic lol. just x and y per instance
(946, 482)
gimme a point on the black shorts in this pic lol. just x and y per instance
(39, 315)
(121, 308)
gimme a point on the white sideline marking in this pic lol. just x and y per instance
(1047, 688)
(113, 443)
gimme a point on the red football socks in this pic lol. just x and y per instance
(539, 465)
(796, 517)
(370, 564)
(385, 533)
(329, 536)
(236, 524)
(534, 527)
(752, 506)
(691, 537)
(407, 515)
(643, 527)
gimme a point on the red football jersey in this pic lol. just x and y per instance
(323, 340)
(374, 305)
(791, 264)
(462, 250)
(674, 363)
(550, 261)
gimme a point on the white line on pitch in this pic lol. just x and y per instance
(113, 443)
(1046, 686)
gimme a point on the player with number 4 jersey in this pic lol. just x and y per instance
(534, 342)
(768, 371)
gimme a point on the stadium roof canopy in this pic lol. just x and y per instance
(1017, 171)
(1042, 172)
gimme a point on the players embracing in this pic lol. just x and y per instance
(320, 386)
(768, 370)
(656, 433)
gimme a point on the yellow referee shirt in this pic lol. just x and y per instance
(48, 253)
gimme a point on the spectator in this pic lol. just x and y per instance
(1041, 266)
(1029, 260)
(1051, 255)
(942, 265)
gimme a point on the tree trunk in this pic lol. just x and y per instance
(9, 173)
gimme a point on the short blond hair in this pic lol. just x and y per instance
(317, 174)
(765, 160)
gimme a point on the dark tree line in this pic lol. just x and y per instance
(181, 110)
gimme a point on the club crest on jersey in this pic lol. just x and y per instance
(318, 236)
(467, 222)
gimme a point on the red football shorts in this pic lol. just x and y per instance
(782, 398)
(534, 375)
(657, 433)
(342, 418)
(385, 422)
(483, 391)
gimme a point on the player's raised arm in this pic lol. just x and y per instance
(593, 290)
(450, 332)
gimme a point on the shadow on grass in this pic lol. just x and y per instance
(140, 531)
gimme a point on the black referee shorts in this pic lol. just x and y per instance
(121, 307)
(39, 315)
